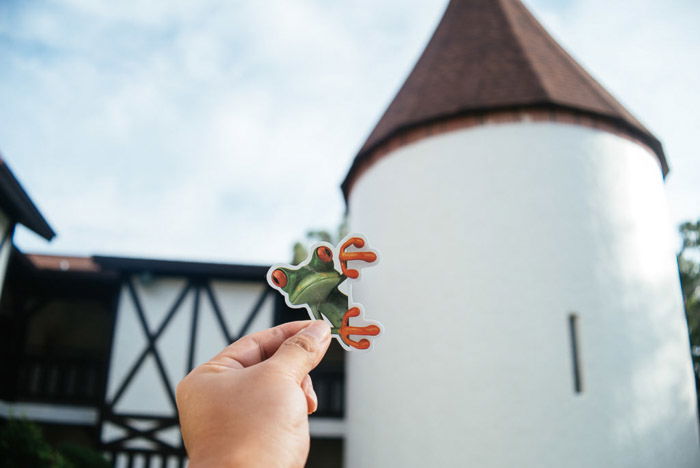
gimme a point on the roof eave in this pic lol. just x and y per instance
(182, 268)
(16, 202)
(641, 134)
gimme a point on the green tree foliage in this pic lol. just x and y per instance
(23, 445)
(80, 456)
(301, 248)
(689, 268)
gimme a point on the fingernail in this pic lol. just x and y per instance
(318, 330)
(315, 405)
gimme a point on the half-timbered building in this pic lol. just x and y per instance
(101, 342)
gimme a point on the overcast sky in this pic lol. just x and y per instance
(220, 130)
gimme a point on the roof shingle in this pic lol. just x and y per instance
(493, 55)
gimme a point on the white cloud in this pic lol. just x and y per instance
(647, 54)
(221, 130)
(215, 130)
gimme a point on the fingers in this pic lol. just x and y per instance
(303, 351)
(311, 399)
(257, 347)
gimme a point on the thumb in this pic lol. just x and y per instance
(302, 352)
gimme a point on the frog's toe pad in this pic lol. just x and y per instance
(346, 330)
(345, 256)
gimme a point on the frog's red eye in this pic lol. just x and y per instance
(325, 254)
(279, 278)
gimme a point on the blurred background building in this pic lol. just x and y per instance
(93, 347)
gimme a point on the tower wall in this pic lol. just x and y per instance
(491, 237)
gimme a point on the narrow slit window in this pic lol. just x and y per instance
(575, 353)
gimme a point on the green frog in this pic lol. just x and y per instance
(314, 285)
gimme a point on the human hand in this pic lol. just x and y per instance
(248, 406)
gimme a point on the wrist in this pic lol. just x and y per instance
(239, 456)
(232, 459)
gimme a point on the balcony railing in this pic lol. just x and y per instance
(55, 379)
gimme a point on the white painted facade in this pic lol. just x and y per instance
(6, 248)
(146, 394)
(50, 413)
(490, 237)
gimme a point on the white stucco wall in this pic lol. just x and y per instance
(489, 238)
(5, 224)
(146, 394)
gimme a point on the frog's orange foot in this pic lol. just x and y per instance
(345, 257)
(346, 330)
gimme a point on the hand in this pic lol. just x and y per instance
(248, 406)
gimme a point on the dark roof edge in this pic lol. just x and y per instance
(22, 258)
(647, 138)
(15, 200)
(182, 268)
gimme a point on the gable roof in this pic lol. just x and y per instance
(19, 207)
(182, 268)
(493, 55)
(99, 265)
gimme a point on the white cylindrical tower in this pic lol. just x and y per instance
(528, 285)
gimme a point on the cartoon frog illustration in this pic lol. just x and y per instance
(314, 285)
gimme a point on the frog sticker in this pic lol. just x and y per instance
(321, 284)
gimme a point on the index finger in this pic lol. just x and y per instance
(255, 348)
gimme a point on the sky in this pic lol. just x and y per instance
(219, 130)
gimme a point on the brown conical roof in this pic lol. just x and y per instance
(491, 56)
